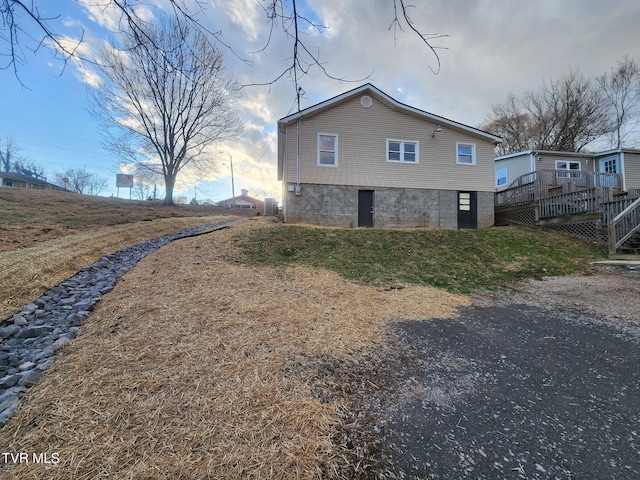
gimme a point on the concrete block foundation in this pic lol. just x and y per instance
(337, 205)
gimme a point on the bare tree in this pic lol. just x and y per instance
(163, 108)
(566, 115)
(513, 124)
(29, 168)
(9, 153)
(146, 181)
(96, 185)
(621, 90)
(80, 180)
(141, 191)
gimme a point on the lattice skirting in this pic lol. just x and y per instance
(522, 216)
(590, 230)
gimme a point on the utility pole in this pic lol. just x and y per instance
(233, 191)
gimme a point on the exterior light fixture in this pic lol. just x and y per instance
(438, 129)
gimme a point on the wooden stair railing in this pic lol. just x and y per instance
(624, 226)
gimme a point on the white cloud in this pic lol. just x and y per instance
(493, 47)
(105, 15)
(244, 14)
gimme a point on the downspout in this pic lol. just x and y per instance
(532, 161)
(298, 156)
(297, 192)
(622, 169)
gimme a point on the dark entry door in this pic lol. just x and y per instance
(468, 210)
(365, 208)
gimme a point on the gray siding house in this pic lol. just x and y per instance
(622, 161)
(364, 159)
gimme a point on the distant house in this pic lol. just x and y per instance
(624, 162)
(17, 180)
(242, 201)
(364, 159)
(594, 196)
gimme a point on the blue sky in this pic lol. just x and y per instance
(493, 47)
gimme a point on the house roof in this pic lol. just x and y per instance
(616, 150)
(544, 152)
(384, 98)
(390, 102)
(238, 198)
(18, 177)
(567, 154)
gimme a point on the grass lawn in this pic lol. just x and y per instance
(458, 261)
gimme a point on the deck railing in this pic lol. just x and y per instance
(574, 203)
(539, 184)
(612, 207)
(624, 226)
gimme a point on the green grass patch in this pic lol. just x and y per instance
(457, 261)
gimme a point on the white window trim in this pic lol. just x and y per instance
(569, 162)
(473, 153)
(335, 163)
(402, 142)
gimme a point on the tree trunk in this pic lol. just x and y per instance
(169, 182)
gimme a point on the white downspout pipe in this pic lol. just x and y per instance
(298, 158)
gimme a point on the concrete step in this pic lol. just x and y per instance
(625, 257)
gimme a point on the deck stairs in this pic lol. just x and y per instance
(624, 233)
(590, 205)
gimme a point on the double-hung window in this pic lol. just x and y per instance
(566, 169)
(466, 153)
(501, 177)
(564, 165)
(402, 151)
(327, 149)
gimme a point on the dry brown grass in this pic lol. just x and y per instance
(198, 367)
(28, 272)
(29, 217)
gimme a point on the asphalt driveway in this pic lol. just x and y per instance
(511, 392)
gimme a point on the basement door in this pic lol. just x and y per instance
(365, 208)
(467, 210)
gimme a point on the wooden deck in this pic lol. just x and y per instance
(589, 205)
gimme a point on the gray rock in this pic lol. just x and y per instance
(76, 319)
(26, 366)
(6, 332)
(30, 307)
(30, 378)
(32, 332)
(10, 393)
(19, 320)
(44, 364)
(8, 381)
(60, 343)
(67, 301)
(44, 354)
(6, 413)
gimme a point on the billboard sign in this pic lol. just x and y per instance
(124, 181)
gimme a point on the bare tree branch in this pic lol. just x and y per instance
(303, 60)
(282, 15)
(12, 34)
(427, 38)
